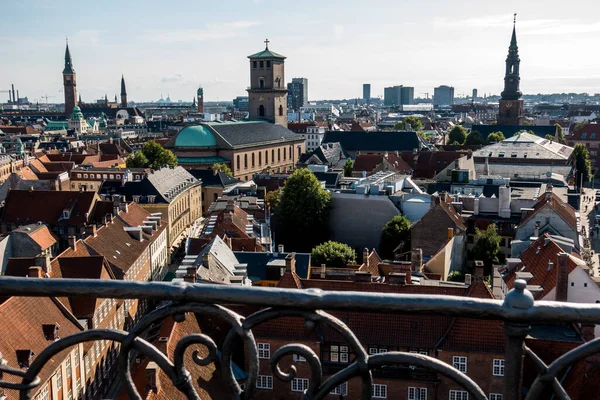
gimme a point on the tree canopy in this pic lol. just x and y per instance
(348, 166)
(272, 199)
(458, 134)
(333, 255)
(414, 122)
(152, 155)
(487, 246)
(583, 164)
(302, 212)
(495, 137)
(560, 133)
(224, 168)
(395, 232)
(474, 138)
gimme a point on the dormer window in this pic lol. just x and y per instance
(24, 358)
(136, 198)
(50, 331)
(151, 198)
(66, 214)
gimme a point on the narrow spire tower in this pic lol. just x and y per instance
(511, 104)
(123, 92)
(69, 83)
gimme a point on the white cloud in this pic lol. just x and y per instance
(338, 30)
(178, 77)
(226, 30)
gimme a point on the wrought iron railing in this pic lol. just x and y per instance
(517, 311)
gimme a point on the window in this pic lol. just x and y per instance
(259, 158)
(245, 160)
(261, 110)
(458, 395)
(92, 176)
(278, 155)
(76, 356)
(460, 363)
(266, 156)
(104, 176)
(254, 64)
(262, 64)
(86, 361)
(373, 350)
(79, 176)
(299, 358)
(338, 354)
(379, 391)
(415, 393)
(59, 379)
(85, 176)
(44, 394)
(272, 155)
(280, 110)
(252, 160)
(498, 367)
(495, 396)
(68, 367)
(70, 395)
(341, 390)
(299, 384)
(264, 350)
(269, 64)
(290, 153)
(264, 382)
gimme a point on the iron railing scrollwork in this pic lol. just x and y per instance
(517, 311)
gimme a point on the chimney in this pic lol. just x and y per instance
(450, 233)
(562, 277)
(323, 271)
(280, 248)
(91, 230)
(362, 276)
(468, 279)
(230, 205)
(72, 242)
(479, 270)
(50, 331)
(397, 278)
(124, 206)
(588, 332)
(290, 262)
(35, 272)
(536, 230)
(152, 381)
(44, 263)
(365, 256)
(229, 243)
(416, 260)
(24, 358)
(190, 276)
(476, 206)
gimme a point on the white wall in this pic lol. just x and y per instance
(526, 229)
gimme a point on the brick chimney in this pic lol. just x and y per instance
(91, 230)
(72, 242)
(416, 260)
(479, 270)
(323, 271)
(290, 262)
(562, 277)
(468, 279)
(35, 272)
(152, 380)
(362, 276)
(190, 276)
(397, 278)
(450, 233)
(365, 255)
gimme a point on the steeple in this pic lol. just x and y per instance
(68, 63)
(123, 92)
(512, 79)
(69, 83)
(79, 101)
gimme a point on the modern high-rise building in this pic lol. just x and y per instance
(443, 95)
(474, 95)
(398, 95)
(298, 93)
(267, 95)
(367, 92)
(408, 95)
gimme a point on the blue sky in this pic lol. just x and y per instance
(170, 48)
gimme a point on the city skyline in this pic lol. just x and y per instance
(445, 46)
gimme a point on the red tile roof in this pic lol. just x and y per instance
(588, 130)
(368, 162)
(43, 237)
(19, 266)
(27, 174)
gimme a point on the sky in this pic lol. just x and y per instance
(171, 47)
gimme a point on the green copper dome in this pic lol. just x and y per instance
(200, 91)
(76, 115)
(195, 136)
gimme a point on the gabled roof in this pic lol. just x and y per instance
(564, 210)
(251, 133)
(536, 259)
(211, 179)
(43, 236)
(375, 141)
(427, 164)
(264, 265)
(587, 132)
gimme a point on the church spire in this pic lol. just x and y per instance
(123, 92)
(511, 78)
(68, 63)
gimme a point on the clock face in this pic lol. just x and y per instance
(261, 98)
(508, 105)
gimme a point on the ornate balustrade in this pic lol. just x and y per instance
(517, 312)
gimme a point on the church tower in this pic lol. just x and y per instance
(267, 95)
(511, 104)
(123, 92)
(69, 83)
(200, 95)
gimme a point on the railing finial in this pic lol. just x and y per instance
(519, 296)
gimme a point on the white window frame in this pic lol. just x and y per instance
(59, 378)
(264, 350)
(373, 350)
(460, 363)
(299, 384)
(495, 396)
(458, 395)
(299, 358)
(264, 382)
(340, 390)
(498, 367)
(76, 354)
(68, 366)
(417, 393)
(379, 391)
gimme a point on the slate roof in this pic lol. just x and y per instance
(509, 130)
(331, 178)
(331, 154)
(427, 164)
(210, 179)
(524, 145)
(258, 269)
(252, 133)
(223, 262)
(375, 141)
(564, 210)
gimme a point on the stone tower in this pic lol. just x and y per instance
(69, 83)
(267, 95)
(511, 104)
(200, 95)
(123, 92)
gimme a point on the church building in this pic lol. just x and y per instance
(511, 104)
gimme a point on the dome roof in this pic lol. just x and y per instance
(195, 136)
(76, 115)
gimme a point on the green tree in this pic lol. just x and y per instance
(302, 213)
(348, 167)
(414, 122)
(395, 232)
(474, 138)
(583, 165)
(549, 137)
(399, 126)
(156, 157)
(457, 134)
(272, 199)
(580, 125)
(333, 255)
(495, 137)
(487, 247)
(224, 168)
(456, 276)
(137, 160)
(560, 133)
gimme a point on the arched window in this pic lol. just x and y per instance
(290, 153)
(299, 150)
(252, 160)
(245, 160)
(261, 83)
(238, 162)
(259, 158)
(261, 111)
(267, 157)
(280, 110)
(278, 155)
(284, 158)
(272, 155)
(511, 69)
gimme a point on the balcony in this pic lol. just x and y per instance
(516, 312)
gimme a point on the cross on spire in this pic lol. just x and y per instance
(515, 19)
(266, 44)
